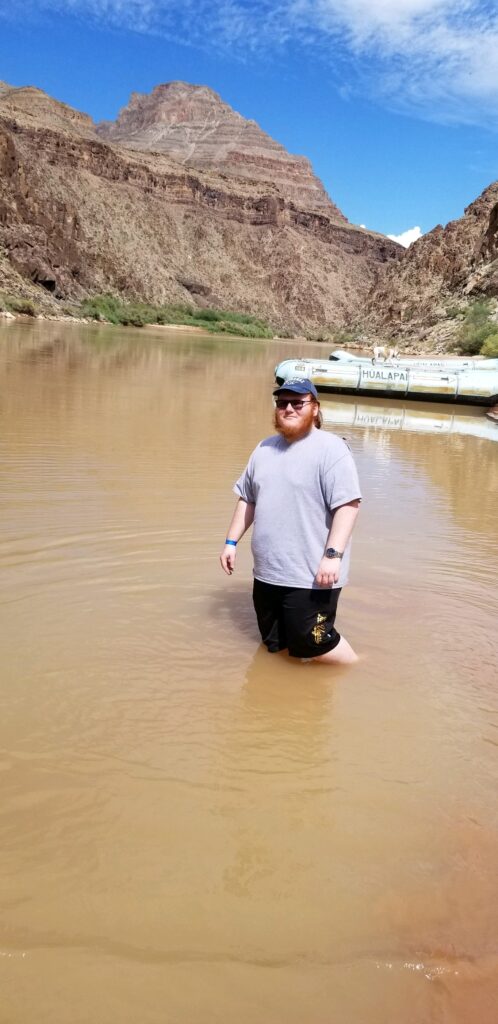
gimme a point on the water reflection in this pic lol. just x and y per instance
(294, 718)
(413, 417)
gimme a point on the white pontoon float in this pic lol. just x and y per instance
(417, 362)
(451, 381)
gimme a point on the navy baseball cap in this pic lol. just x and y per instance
(300, 385)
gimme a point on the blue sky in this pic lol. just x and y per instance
(395, 102)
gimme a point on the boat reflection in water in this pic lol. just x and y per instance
(341, 412)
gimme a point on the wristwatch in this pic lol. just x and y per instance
(332, 553)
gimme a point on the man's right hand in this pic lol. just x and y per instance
(227, 559)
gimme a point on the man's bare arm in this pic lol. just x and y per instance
(339, 534)
(242, 519)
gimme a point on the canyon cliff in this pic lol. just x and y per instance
(195, 127)
(445, 269)
(181, 200)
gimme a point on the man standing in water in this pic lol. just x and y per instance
(300, 490)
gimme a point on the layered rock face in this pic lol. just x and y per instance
(183, 200)
(33, 107)
(79, 215)
(194, 126)
(447, 265)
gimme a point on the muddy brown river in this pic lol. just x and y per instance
(192, 830)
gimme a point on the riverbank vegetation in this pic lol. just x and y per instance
(17, 305)
(478, 334)
(476, 330)
(112, 310)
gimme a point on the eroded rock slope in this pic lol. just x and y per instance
(449, 265)
(80, 214)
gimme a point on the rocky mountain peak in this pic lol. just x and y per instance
(177, 101)
(194, 126)
(31, 106)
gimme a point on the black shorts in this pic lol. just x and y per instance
(297, 620)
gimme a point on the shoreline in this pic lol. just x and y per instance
(177, 327)
(300, 339)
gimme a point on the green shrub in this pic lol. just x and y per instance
(472, 338)
(478, 312)
(174, 314)
(242, 330)
(137, 314)
(242, 318)
(490, 347)
(210, 315)
(17, 305)
(223, 316)
(112, 309)
(101, 307)
(476, 328)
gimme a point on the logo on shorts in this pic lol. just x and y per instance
(319, 631)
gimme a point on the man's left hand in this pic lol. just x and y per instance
(328, 572)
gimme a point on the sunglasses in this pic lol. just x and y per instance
(296, 403)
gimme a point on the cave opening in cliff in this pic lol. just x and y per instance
(48, 283)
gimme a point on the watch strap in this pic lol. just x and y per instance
(333, 553)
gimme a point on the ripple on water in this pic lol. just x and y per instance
(183, 813)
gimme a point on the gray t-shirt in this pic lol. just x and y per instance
(296, 487)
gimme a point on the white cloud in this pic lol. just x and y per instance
(407, 237)
(438, 58)
(435, 57)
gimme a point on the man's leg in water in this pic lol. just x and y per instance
(310, 625)
(342, 654)
(267, 599)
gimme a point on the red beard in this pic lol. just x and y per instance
(297, 426)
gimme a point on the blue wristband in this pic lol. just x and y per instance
(232, 542)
